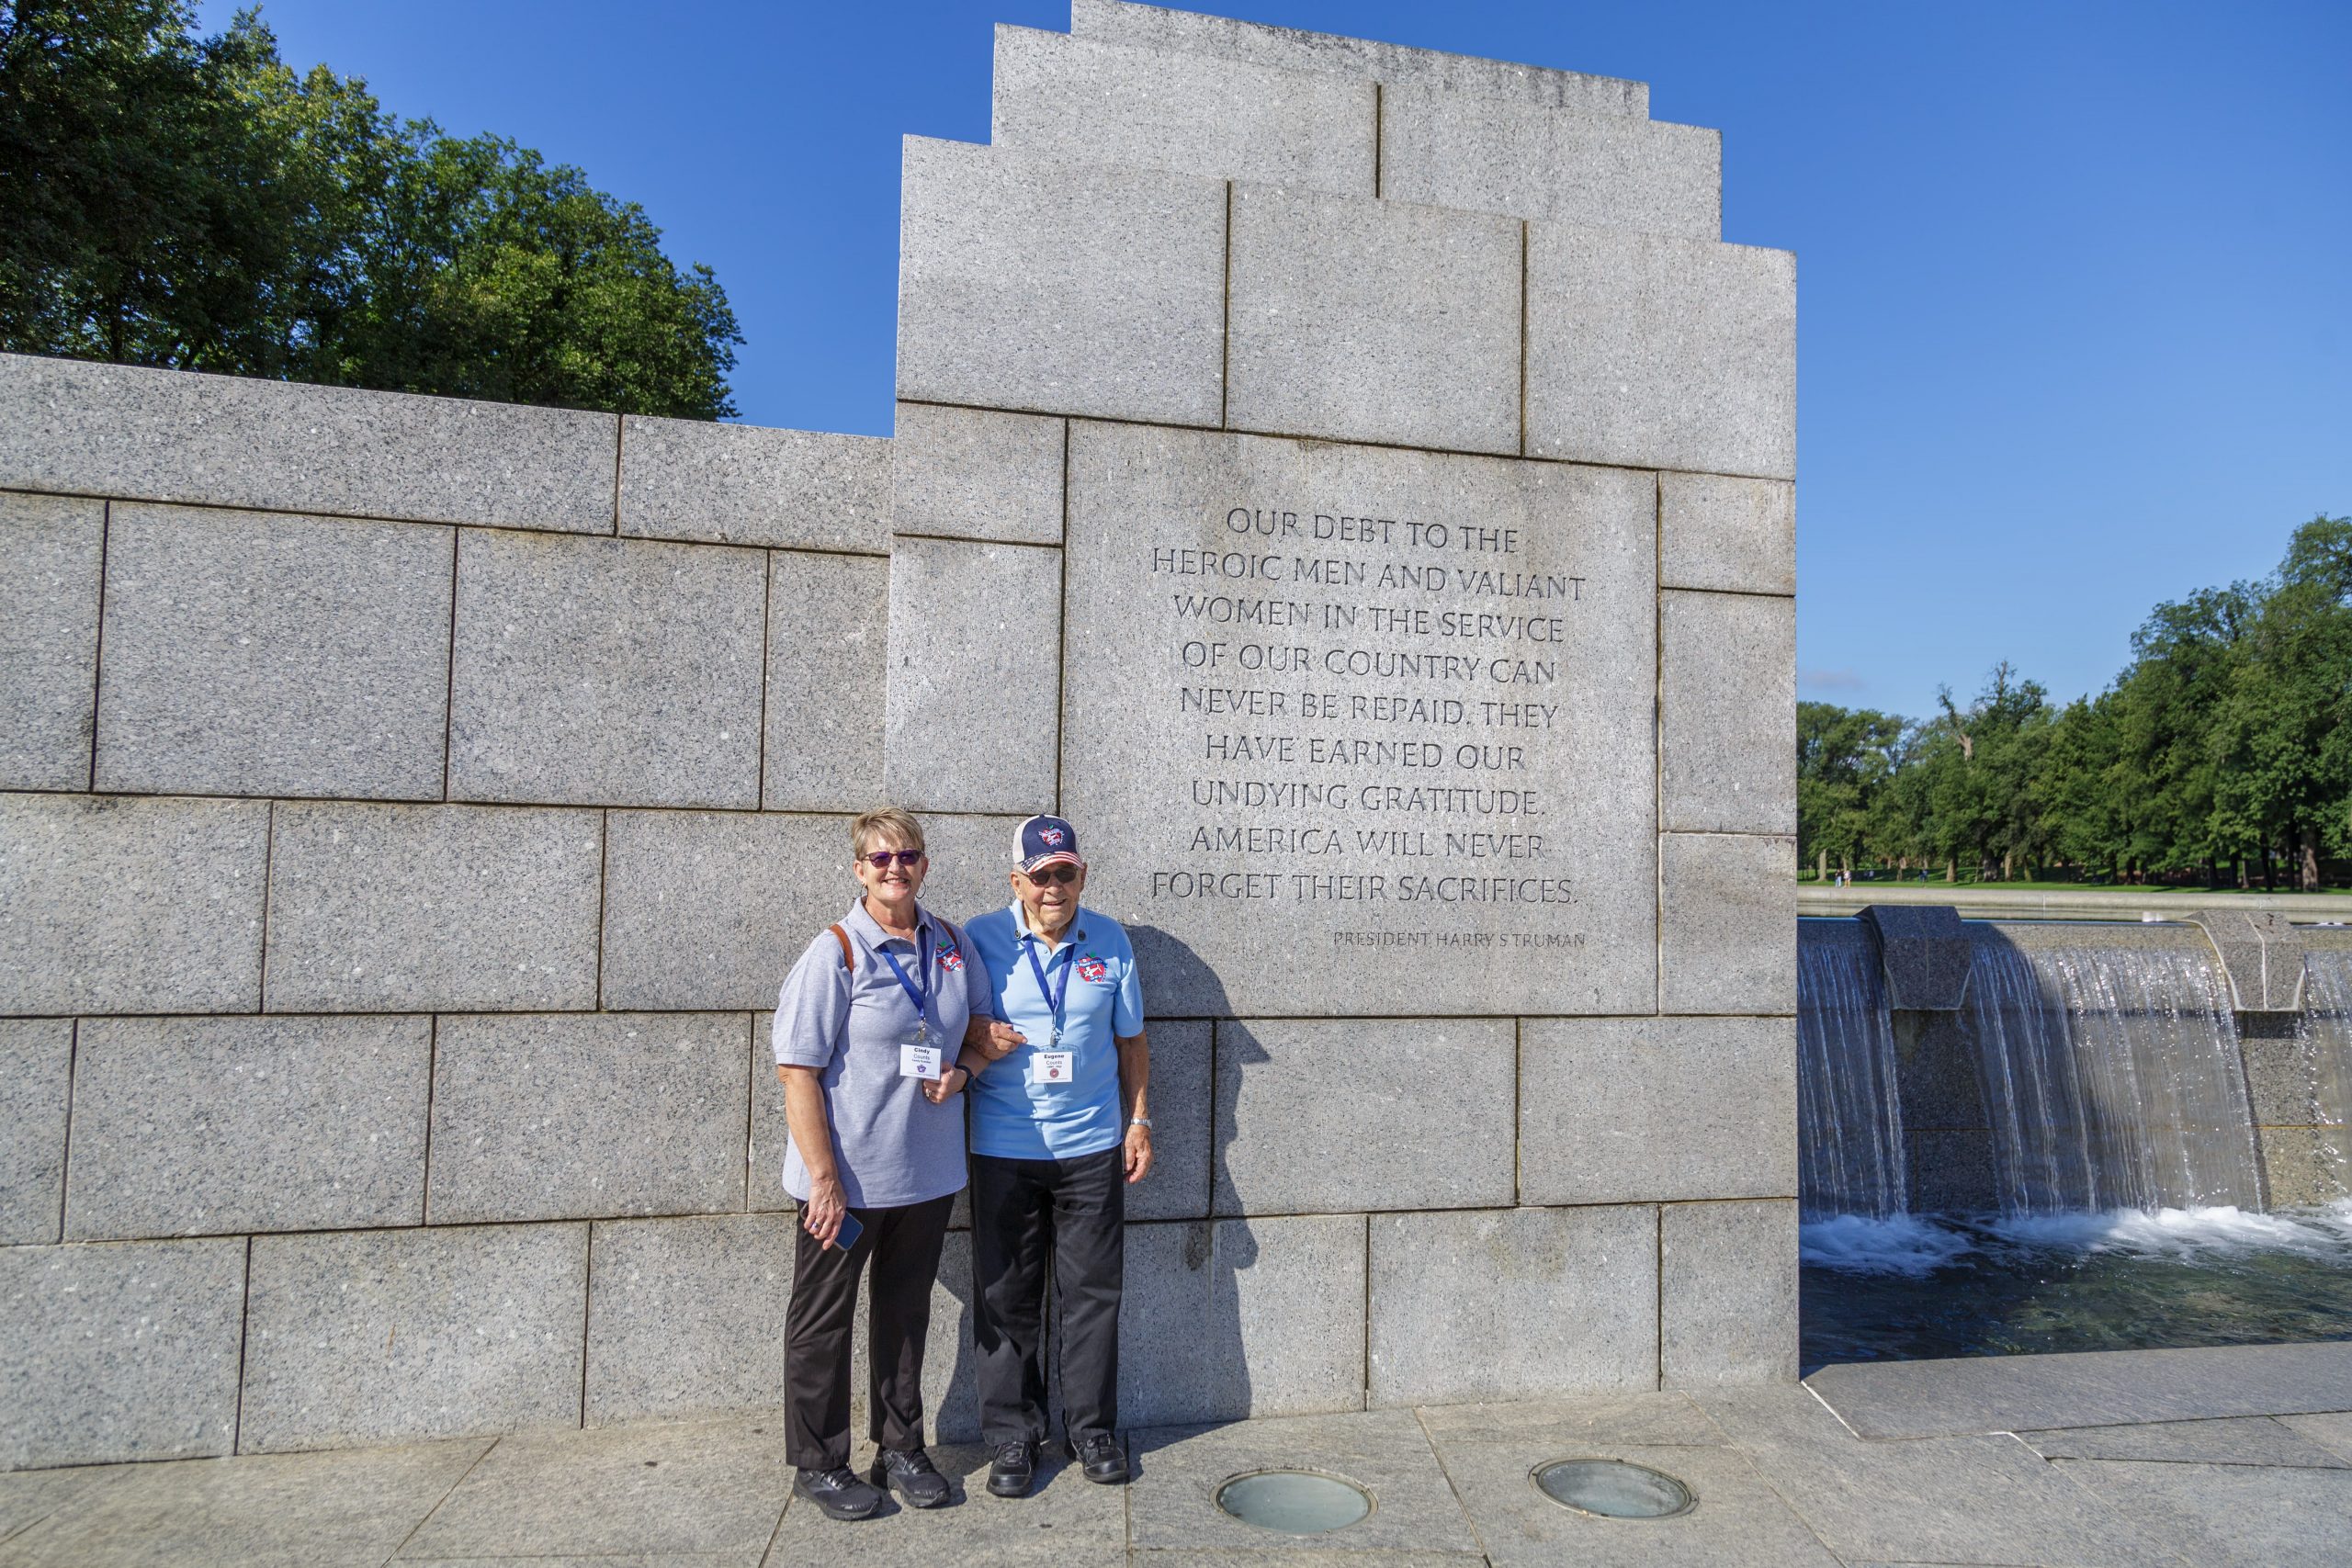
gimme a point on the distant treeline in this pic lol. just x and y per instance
(2221, 754)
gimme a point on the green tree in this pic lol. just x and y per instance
(1844, 756)
(194, 204)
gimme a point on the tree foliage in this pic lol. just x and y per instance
(193, 203)
(2223, 749)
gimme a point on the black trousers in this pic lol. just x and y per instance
(1029, 1215)
(903, 1245)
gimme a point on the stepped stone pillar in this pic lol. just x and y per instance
(1355, 484)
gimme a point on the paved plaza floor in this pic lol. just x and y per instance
(2194, 1457)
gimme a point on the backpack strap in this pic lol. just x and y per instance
(849, 959)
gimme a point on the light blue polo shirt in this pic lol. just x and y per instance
(1014, 1119)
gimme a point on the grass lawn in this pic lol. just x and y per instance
(1935, 879)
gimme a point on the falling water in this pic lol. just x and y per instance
(2326, 1035)
(2111, 1080)
(1850, 1118)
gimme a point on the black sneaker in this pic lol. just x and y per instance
(911, 1476)
(1100, 1458)
(1014, 1466)
(837, 1492)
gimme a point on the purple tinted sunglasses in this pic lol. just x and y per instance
(880, 859)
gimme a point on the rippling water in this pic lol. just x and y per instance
(1915, 1286)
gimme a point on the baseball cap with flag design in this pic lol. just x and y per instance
(1042, 842)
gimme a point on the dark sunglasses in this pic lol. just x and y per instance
(1063, 872)
(880, 859)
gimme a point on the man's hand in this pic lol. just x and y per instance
(1138, 1153)
(993, 1038)
(822, 1215)
(955, 1078)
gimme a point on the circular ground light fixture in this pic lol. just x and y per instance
(1295, 1502)
(1613, 1489)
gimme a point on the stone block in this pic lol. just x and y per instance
(284, 446)
(2282, 1076)
(555, 1118)
(1154, 27)
(117, 1353)
(764, 1179)
(130, 906)
(417, 907)
(977, 474)
(1233, 1319)
(1189, 114)
(975, 677)
(685, 1316)
(1727, 1285)
(1372, 321)
(1603, 171)
(1289, 1140)
(709, 908)
(36, 1081)
(971, 863)
(1727, 924)
(1026, 282)
(1533, 1302)
(1660, 352)
(1631, 1110)
(49, 550)
(1734, 536)
(827, 681)
(617, 671)
(2303, 1166)
(1936, 1071)
(2262, 954)
(1727, 703)
(741, 484)
(1925, 953)
(362, 1336)
(1181, 1074)
(1434, 834)
(203, 1126)
(251, 654)
(1950, 1172)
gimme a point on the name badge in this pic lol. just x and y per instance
(920, 1062)
(1052, 1066)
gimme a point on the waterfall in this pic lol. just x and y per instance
(2111, 1078)
(2326, 1035)
(1849, 1116)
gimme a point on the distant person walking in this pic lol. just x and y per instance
(1060, 1125)
(868, 1028)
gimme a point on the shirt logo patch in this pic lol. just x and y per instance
(951, 961)
(1093, 968)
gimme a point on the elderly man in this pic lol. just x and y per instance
(1059, 1126)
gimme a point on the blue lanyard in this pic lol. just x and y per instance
(1054, 998)
(920, 994)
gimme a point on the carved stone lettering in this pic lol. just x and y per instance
(1324, 704)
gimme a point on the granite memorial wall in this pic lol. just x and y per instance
(1356, 483)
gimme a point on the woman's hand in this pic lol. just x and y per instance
(1138, 1153)
(955, 1078)
(822, 1215)
(994, 1038)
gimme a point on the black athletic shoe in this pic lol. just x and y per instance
(911, 1476)
(1100, 1458)
(837, 1492)
(1014, 1466)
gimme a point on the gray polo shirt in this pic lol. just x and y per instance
(891, 1146)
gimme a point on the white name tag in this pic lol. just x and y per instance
(1052, 1066)
(920, 1062)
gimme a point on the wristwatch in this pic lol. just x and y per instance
(1144, 1122)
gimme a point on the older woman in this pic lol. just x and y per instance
(867, 1030)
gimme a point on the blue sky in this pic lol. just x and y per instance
(2075, 281)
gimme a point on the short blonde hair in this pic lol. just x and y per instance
(885, 822)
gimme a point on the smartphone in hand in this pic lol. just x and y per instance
(846, 1238)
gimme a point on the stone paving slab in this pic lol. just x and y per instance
(1171, 1504)
(2334, 1430)
(2016, 1393)
(2232, 1515)
(346, 1509)
(1972, 1500)
(1656, 1420)
(2242, 1439)
(689, 1488)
